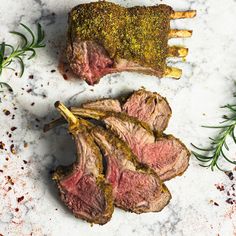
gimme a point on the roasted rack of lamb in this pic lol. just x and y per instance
(138, 156)
(105, 38)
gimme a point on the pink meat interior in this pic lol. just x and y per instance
(82, 194)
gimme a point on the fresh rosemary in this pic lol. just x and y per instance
(218, 146)
(9, 53)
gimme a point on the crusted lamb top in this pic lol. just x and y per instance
(137, 34)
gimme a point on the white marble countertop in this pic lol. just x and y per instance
(207, 83)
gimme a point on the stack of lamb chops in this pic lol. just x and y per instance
(122, 164)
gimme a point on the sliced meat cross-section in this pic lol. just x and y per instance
(135, 188)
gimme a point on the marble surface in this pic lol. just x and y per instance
(29, 201)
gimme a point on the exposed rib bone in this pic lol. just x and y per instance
(176, 51)
(183, 14)
(173, 72)
(175, 33)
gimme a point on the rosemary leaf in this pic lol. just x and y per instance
(218, 146)
(9, 53)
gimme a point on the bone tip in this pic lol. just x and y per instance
(57, 104)
(45, 128)
(194, 13)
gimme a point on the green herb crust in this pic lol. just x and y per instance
(137, 34)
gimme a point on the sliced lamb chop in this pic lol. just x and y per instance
(82, 186)
(166, 155)
(144, 105)
(135, 188)
(149, 107)
(104, 37)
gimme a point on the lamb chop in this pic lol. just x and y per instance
(146, 106)
(82, 185)
(104, 38)
(166, 155)
(135, 188)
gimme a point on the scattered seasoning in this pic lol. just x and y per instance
(13, 117)
(15, 108)
(22, 168)
(7, 159)
(29, 90)
(230, 174)
(9, 180)
(2, 145)
(230, 201)
(9, 188)
(31, 77)
(232, 186)
(25, 144)
(214, 203)
(13, 128)
(44, 96)
(52, 71)
(1, 171)
(25, 162)
(13, 151)
(17, 209)
(20, 199)
(16, 73)
(6, 112)
(220, 187)
(37, 119)
(32, 103)
(229, 191)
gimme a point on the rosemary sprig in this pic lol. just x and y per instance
(9, 53)
(218, 146)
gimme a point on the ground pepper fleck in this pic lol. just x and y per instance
(6, 112)
(2, 145)
(13, 128)
(12, 149)
(19, 199)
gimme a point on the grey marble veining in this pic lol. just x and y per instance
(207, 83)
